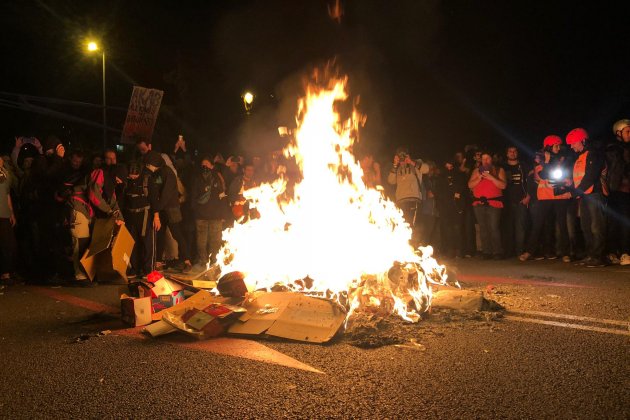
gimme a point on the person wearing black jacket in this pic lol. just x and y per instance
(138, 220)
(450, 189)
(164, 207)
(588, 185)
(210, 206)
(515, 201)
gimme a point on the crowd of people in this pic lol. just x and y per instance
(570, 201)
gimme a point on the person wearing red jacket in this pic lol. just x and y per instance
(487, 184)
(588, 185)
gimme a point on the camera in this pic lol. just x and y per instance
(402, 156)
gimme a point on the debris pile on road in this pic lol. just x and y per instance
(227, 307)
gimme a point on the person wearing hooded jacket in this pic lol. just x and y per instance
(164, 208)
(210, 207)
(618, 162)
(406, 174)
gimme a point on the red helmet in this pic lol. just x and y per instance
(551, 140)
(577, 135)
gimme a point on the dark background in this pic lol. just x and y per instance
(434, 75)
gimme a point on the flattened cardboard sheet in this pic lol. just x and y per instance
(290, 315)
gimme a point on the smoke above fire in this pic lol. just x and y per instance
(328, 233)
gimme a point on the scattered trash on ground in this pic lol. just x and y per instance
(165, 304)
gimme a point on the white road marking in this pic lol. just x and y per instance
(567, 325)
(572, 317)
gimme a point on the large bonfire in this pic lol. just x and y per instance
(329, 234)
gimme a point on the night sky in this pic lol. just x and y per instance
(434, 75)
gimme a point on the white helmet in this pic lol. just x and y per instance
(620, 125)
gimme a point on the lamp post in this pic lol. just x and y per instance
(93, 46)
(248, 100)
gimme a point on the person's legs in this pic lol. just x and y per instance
(7, 247)
(509, 229)
(585, 224)
(596, 203)
(624, 223)
(520, 227)
(539, 213)
(493, 216)
(562, 239)
(202, 240)
(178, 235)
(481, 214)
(215, 237)
(80, 230)
(572, 210)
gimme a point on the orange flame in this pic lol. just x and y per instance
(333, 230)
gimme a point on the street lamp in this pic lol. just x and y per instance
(92, 46)
(248, 100)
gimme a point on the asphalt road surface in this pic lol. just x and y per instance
(561, 350)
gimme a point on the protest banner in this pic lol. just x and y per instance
(142, 114)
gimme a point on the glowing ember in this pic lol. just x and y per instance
(333, 236)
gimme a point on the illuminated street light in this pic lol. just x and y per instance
(91, 47)
(248, 100)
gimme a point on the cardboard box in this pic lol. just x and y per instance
(176, 314)
(290, 315)
(135, 311)
(108, 255)
(165, 287)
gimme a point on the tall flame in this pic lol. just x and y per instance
(330, 229)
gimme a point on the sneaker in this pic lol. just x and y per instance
(624, 260)
(551, 257)
(613, 259)
(566, 259)
(80, 277)
(131, 274)
(525, 256)
(595, 262)
(539, 257)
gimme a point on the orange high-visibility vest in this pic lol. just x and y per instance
(545, 189)
(579, 170)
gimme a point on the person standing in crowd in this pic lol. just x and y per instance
(553, 200)
(618, 162)
(466, 162)
(589, 187)
(515, 203)
(236, 194)
(488, 182)
(406, 174)
(371, 170)
(210, 206)
(429, 216)
(102, 192)
(7, 223)
(72, 193)
(450, 187)
(117, 172)
(165, 211)
(138, 221)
